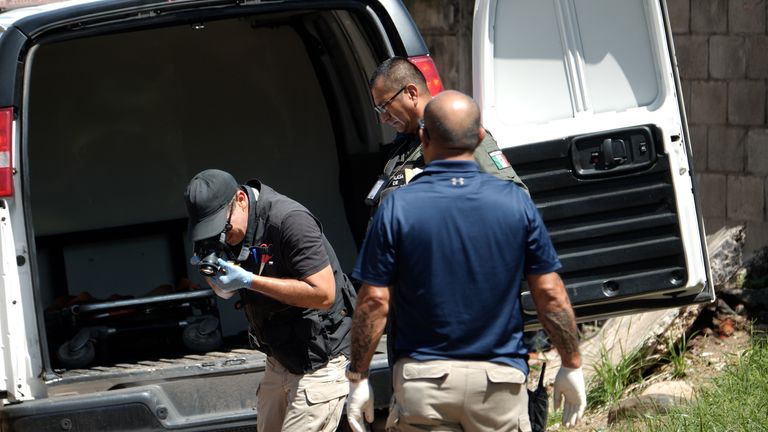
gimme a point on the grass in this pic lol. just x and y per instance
(736, 401)
(676, 355)
(611, 380)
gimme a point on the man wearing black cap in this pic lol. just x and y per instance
(298, 301)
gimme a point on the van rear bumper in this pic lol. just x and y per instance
(223, 402)
(145, 408)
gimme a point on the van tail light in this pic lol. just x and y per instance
(6, 161)
(428, 69)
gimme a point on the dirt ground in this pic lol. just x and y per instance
(715, 344)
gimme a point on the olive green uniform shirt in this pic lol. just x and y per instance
(407, 157)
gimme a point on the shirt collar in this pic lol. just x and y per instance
(451, 165)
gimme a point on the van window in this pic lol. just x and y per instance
(530, 73)
(619, 65)
(554, 60)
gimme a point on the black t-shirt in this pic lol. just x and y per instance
(302, 250)
(289, 242)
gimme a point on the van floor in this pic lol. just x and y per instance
(123, 375)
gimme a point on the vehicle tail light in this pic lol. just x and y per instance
(428, 69)
(6, 143)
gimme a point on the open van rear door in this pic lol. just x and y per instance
(584, 99)
(18, 367)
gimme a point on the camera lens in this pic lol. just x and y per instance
(209, 265)
(207, 269)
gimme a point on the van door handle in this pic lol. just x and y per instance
(611, 153)
(610, 157)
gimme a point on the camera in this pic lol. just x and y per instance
(210, 250)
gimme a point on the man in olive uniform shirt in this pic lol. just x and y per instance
(400, 93)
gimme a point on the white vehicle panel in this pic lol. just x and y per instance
(553, 70)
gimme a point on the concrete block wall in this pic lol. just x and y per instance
(722, 53)
(446, 26)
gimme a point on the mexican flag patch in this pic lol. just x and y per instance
(499, 159)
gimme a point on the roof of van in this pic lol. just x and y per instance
(9, 17)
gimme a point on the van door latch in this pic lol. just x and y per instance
(612, 153)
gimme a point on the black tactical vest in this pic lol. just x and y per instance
(302, 340)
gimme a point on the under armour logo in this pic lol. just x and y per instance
(457, 181)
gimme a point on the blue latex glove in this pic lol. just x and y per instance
(195, 260)
(231, 277)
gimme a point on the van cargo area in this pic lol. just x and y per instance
(119, 120)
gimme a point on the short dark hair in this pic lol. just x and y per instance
(449, 133)
(398, 72)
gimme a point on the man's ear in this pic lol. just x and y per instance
(412, 91)
(424, 139)
(480, 135)
(241, 197)
(426, 146)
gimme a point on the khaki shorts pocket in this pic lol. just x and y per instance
(324, 392)
(505, 374)
(422, 371)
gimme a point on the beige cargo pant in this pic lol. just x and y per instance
(310, 402)
(450, 395)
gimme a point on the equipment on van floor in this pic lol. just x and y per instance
(189, 317)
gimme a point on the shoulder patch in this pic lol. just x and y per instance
(499, 159)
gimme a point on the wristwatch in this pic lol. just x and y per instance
(355, 376)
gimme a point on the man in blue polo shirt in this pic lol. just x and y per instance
(451, 249)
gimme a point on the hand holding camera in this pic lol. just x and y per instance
(226, 275)
(231, 277)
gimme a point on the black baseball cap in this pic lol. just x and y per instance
(207, 196)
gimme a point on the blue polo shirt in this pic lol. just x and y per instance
(454, 246)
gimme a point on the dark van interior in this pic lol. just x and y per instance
(121, 119)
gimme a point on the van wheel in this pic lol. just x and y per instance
(78, 352)
(202, 336)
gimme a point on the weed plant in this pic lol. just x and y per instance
(676, 355)
(610, 381)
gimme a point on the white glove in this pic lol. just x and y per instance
(569, 384)
(359, 402)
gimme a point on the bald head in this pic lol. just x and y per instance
(452, 123)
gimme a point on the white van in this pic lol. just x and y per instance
(107, 109)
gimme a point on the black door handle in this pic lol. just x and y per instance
(608, 152)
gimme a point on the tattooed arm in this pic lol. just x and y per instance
(556, 316)
(368, 324)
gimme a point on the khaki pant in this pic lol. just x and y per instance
(451, 395)
(310, 402)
